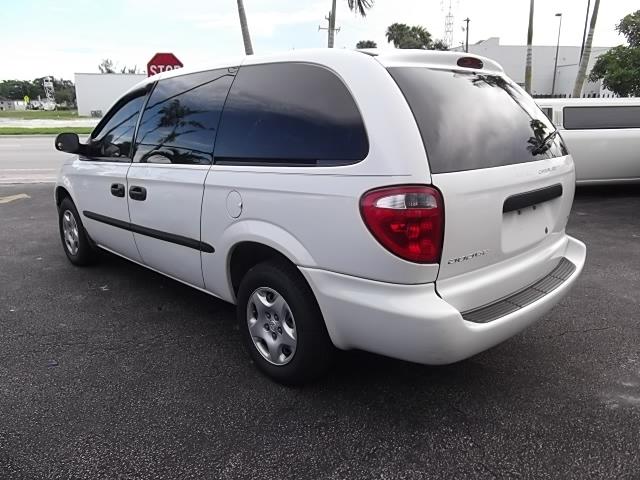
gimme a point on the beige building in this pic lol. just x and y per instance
(96, 92)
(6, 104)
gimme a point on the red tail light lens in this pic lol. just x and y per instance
(470, 62)
(408, 221)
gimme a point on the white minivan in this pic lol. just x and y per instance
(407, 203)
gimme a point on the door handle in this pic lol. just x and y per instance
(117, 190)
(137, 193)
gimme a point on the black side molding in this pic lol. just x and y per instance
(150, 232)
(527, 199)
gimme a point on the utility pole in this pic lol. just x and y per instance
(466, 48)
(555, 65)
(331, 29)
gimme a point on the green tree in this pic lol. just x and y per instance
(404, 36)
(397, 32)
(106, 66)
(629, 26)
(65, 90)
(619, 68)
(586, 54)
(126, 69)
(17, 89)
(360, 6)
(366, 44)
(440, 45)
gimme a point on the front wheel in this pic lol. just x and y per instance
(281, 324)
(75, 240)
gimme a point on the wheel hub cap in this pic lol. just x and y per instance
(70, 232)
(271, 326)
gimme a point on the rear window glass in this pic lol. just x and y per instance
(290, 114)
(587, 118)
(470, 121)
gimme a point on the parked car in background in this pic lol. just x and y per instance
(602, 135)
(407, 203)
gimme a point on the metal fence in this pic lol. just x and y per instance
(584, 95)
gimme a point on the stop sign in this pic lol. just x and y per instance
(163, 62)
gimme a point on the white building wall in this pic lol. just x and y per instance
(98, 91)
(513, 59)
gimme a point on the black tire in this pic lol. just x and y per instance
(314, 351)
(86, 253)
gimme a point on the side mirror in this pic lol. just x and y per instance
(68, 142)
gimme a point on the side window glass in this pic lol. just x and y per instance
(290, 114)
(113, 137)
(180, 123)
(601, 117)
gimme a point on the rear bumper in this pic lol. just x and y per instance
(413, 323)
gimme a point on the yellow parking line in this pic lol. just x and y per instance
(11, 198)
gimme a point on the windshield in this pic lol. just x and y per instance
(470, 121)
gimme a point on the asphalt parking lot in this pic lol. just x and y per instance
(113, 371)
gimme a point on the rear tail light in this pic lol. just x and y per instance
(407, 220)
(470, 62)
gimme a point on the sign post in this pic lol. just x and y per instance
(163, 62)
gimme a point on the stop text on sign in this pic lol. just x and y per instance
(163, 62)
(153, 69)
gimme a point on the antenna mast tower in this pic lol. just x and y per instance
(50, 102)
(448, 24)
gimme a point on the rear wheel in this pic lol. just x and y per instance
(281, 324)
(75, 240)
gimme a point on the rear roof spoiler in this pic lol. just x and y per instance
(429, 58)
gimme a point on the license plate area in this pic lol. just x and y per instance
(528, 226)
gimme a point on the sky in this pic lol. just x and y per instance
(60, 38)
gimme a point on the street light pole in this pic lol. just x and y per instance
(555, 66)
(466, 48)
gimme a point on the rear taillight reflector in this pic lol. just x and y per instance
(406, 220)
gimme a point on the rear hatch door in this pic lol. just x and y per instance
(505, 175)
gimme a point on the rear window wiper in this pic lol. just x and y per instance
(544, 145)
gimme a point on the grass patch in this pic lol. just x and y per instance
(40, 114)
(44, 130)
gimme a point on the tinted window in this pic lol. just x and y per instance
(180, 122)
(290, 113)
(576, 118)
(470, 121)
(113, 136)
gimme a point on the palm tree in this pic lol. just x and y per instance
(527, 68)
(397, 32)
(417, 37)
(248, 48)
(586, 54)
(359, 6)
